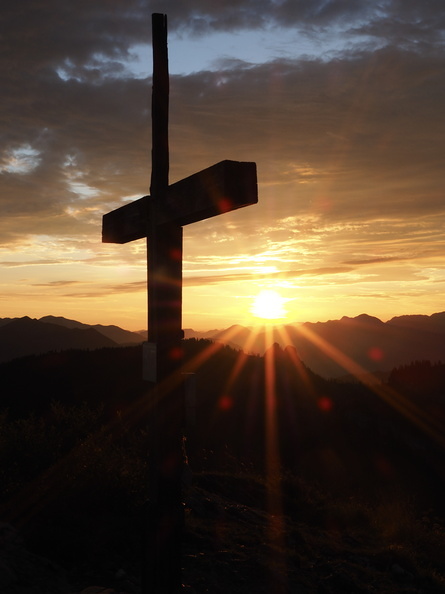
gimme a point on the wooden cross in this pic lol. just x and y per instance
(226, 186)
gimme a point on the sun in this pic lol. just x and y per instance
(269, 305)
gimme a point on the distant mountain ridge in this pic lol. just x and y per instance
(433, 323)
(26, 336)
(114, 333)
(359, 345)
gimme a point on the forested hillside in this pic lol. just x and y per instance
(271, 440)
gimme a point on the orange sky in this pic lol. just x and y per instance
(339, 104)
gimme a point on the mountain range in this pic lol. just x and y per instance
(349, 346)
(358, 345)
(25, 336)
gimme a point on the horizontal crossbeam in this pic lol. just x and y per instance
(221, 188)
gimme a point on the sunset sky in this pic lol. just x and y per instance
(340, 104)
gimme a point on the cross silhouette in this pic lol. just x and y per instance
(223, 187)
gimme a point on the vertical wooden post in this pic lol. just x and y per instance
(162, 563)
(224, 186)
(159, 107)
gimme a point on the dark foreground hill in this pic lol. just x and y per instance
(299, 485)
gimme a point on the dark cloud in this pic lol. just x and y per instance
(361, 134)
(348, 143)
(369, 127)
(40, 36)
(417, 26)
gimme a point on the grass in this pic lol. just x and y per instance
(74, 480)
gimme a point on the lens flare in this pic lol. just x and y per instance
(269, 305)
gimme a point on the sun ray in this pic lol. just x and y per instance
(390, 396)
(273, 458)
(293, 355)
(226, 402)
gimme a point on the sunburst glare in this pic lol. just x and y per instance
(269, 305)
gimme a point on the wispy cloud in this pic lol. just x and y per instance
(348, 141)
(20, 264)
(282, 274)
(56, 284)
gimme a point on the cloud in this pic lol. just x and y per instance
(19, 264)
(370, 130)
(368, 123)
(349, 145)
(56, 284)
(190, 281)
(382, 260)
(410, 24)
(134, 287)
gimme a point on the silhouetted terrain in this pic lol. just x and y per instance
(433, 323)
(300, 485)
(337, 348)
(26, 336)
(334, 348)
(116, 334)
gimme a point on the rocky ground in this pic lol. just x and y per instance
(233, 543)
